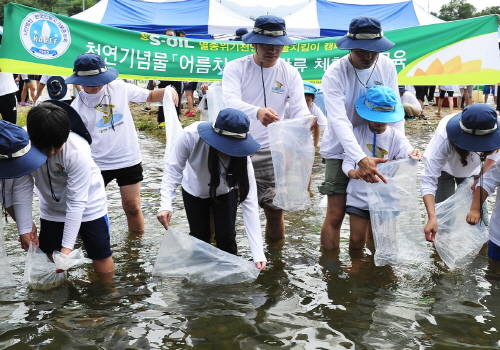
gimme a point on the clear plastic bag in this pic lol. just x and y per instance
(395, 216)
(215, 101)
(182, 255)
(40, 272)
(6, 277)
(292, 151)
(457, 242)
(67, 261)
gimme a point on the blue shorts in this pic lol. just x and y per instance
(493, 251)
(94, 235)
(190, 86)
(365, 214)
(489, 89)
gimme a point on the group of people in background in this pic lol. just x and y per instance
(71, 152)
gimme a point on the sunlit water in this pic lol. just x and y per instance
(304, 299)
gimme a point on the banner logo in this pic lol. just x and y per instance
(44, 36)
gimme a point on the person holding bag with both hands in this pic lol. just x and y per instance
(211, 163)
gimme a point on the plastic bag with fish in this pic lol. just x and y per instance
(292, 151)
(40, 272)
(395, 216)
(215, 102)
(457, 242)
(185, 256)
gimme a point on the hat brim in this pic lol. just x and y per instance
(469, 142)
(228, 145)
(76, 122)
(16, 167)
(254, 38)
(61, 93)
(379, 116)
(93, 80)
(375, 45)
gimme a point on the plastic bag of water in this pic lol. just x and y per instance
(395, 216)
(67, 261)
(457, 242)
(292, 151)
(6, 277)
(40, 272)
(214, 101)
(185, 256)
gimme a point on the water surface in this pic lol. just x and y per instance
(304, 300)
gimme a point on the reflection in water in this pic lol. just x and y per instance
(305, 299)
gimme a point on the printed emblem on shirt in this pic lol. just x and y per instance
(278, 87)
(109, 119)
(59, 171)
(379, 152)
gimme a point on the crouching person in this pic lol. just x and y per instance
(70, 187)
(211, 163)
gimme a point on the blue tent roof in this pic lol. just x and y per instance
(153, 17)
(334, 17)
(309, 18)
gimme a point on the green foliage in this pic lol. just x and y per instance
(493, 10)
(456, 9)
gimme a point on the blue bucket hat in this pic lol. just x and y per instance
(380, 104)
(269, 30)
(310, 88)
(90, 70)
(56, 87)
(475, 129)
(365, 33)
(75, 121)
(229, 134)
(18, 157)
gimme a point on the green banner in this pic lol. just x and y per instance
(38, 42)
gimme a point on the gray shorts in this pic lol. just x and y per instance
(264, 176)
(335, 179)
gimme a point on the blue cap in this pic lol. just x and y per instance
(475, 129)
(270, 30)
(365, 33)
(310, 88)
(380, 104)
(229, 134)
(90, 70)
(18, 157)
(56, 87)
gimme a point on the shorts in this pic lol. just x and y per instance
(442, 93)
(190, 86)
(94, 235)
(467, 88)
(489, 89)
(264, 176)
(493, 251)
(335, 179)
(365, 214)
(411, 111)
(124, 176)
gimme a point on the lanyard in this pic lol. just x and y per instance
(374, 145)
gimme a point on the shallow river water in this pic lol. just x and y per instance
(303, 300)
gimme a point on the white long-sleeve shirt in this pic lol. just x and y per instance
(440, 156)
(342, 88)
(409, 97)
(391, 144)
(18, 194)
(243, 85)
(118, 148)
(77, 184)
(187, 165)
(491, 181)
